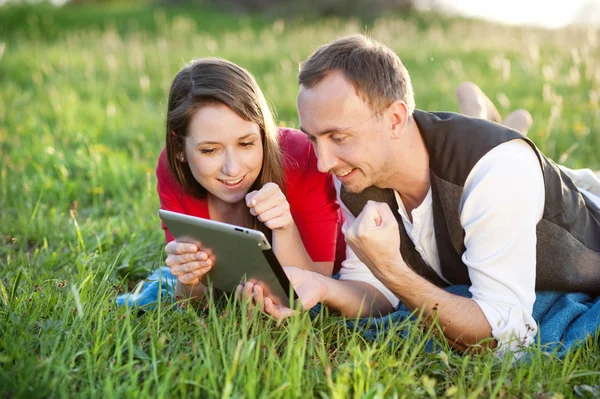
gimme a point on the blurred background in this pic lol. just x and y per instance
(545, 13)
(83, 89)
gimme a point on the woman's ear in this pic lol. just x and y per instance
(180, 155)
(398, 114)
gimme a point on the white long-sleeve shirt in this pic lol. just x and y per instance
(502, 202)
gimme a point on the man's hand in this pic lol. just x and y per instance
(270, 206)
(374, 238)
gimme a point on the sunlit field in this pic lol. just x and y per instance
(82, 103)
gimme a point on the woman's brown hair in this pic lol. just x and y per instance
(210, 81)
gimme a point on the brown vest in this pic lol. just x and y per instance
(568, 236)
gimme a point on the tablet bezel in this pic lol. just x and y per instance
(260, 264)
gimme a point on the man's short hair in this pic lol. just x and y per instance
(375, 71)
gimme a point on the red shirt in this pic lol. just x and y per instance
(310, 193)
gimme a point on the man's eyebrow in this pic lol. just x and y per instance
(326, 131)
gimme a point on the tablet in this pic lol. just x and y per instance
(238, 254)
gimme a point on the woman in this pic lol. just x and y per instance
(226, 160)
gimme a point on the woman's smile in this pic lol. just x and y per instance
(233, 183)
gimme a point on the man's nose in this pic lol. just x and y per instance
(325, 159)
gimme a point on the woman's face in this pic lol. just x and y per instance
(224, 152)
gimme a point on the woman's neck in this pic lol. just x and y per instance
(226, 212)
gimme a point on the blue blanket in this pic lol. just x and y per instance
(564, 319)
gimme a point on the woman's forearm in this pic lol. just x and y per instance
(194, 292)
(290, 251)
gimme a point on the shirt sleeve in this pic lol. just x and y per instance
(586, 181)
(353, 269)
(503, 201)
(315, 210)
(167, 189)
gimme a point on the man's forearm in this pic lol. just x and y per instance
(355, 298)
(462, 320)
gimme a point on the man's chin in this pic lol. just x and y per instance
(354, 188)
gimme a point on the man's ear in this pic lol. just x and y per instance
(398, 118)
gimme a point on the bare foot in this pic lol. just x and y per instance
(520, 120)
(473, 102)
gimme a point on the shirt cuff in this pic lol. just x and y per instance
(512, 326)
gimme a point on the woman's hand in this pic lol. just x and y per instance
(310, 287)
(187, 261)
(270, 206)
(252, 293)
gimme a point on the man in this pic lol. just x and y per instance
(434, 199)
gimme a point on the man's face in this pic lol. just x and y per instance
(350, 140)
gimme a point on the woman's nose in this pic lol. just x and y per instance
(231, 167)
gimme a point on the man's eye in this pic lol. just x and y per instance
(247, 144)
(338, 139)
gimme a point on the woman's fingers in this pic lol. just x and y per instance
(192, 267)
(258, 297)
(253, 295)
(255, 197)
(189, 279)
(239, 290)
(274, 212)
(270, 206)
(248, 292)
(175, 260)
(276, 311)
(269, 196)
(271, 309)
(279, 222)
(178, 248)
(277, 217)
(268, 203)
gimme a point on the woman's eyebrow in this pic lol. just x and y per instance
(248, 136)
(210, 142)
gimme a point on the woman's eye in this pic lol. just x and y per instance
(207, 151)
(246, 144)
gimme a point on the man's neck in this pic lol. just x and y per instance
(410, 176)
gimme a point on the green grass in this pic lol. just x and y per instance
(82, 102)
